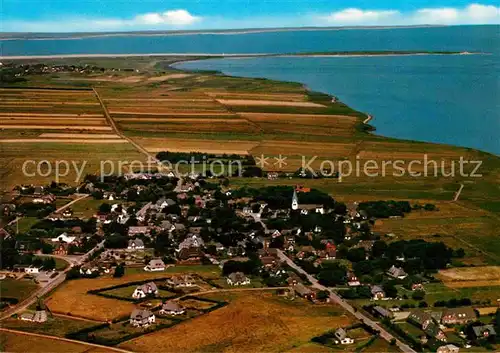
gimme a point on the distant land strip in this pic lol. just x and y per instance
(249, 55)
(240, 31)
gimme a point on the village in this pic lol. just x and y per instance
(297, 241)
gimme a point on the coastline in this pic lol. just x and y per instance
(238, 56)
(242, 31)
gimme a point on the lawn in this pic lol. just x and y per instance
(25, 224)
(19, 289)
(88, 207)
(258, 322)
(60, 263)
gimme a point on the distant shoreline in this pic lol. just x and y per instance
(242, 31)
(242, 56)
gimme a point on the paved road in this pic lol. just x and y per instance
(101, 347)
(337, 299)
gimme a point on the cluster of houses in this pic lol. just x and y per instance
(434, 322)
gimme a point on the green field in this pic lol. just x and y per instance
(19, 289)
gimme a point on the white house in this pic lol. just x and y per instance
(135, 244)
(237, 279)
(155, 265)
(144, 290)
(142, 318)
(397, 272)
(341, 336)
(64, 238)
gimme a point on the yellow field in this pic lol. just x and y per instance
(72, 299)
(23, 343)
(251, 323)
(471, 274)
(190, 145)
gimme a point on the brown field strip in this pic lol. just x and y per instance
(181, 118)
(167, 105)
(53, 122)
(316, 119)
(15, 103)
(52, 115)
(480, 273)
(72, 140)
(25, 343)
(306, 129)
(193, 145)
(185, 120)
(473, 284)
(56, 127)
(168, 110)
(81, 136)
(211, 127)
(45, 91)
(169, 113)
(267, 96)
(132, 101)
(248, 102)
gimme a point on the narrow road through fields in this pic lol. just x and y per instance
(457, 195)
(105, 348)
(337, 299)
(80, 197)
(112, 123)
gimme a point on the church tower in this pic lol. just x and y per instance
(295, 201)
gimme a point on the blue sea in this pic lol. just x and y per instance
(441, 98)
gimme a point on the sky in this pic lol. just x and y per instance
(133, 15)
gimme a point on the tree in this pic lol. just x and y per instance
(119, 271)
(323, 295)
(105, 208)
(356, 255)
(49, 263)
(418, 295)
(390, 290)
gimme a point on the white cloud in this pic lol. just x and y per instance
(471, 14)
(173, 17)
(355, 16)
